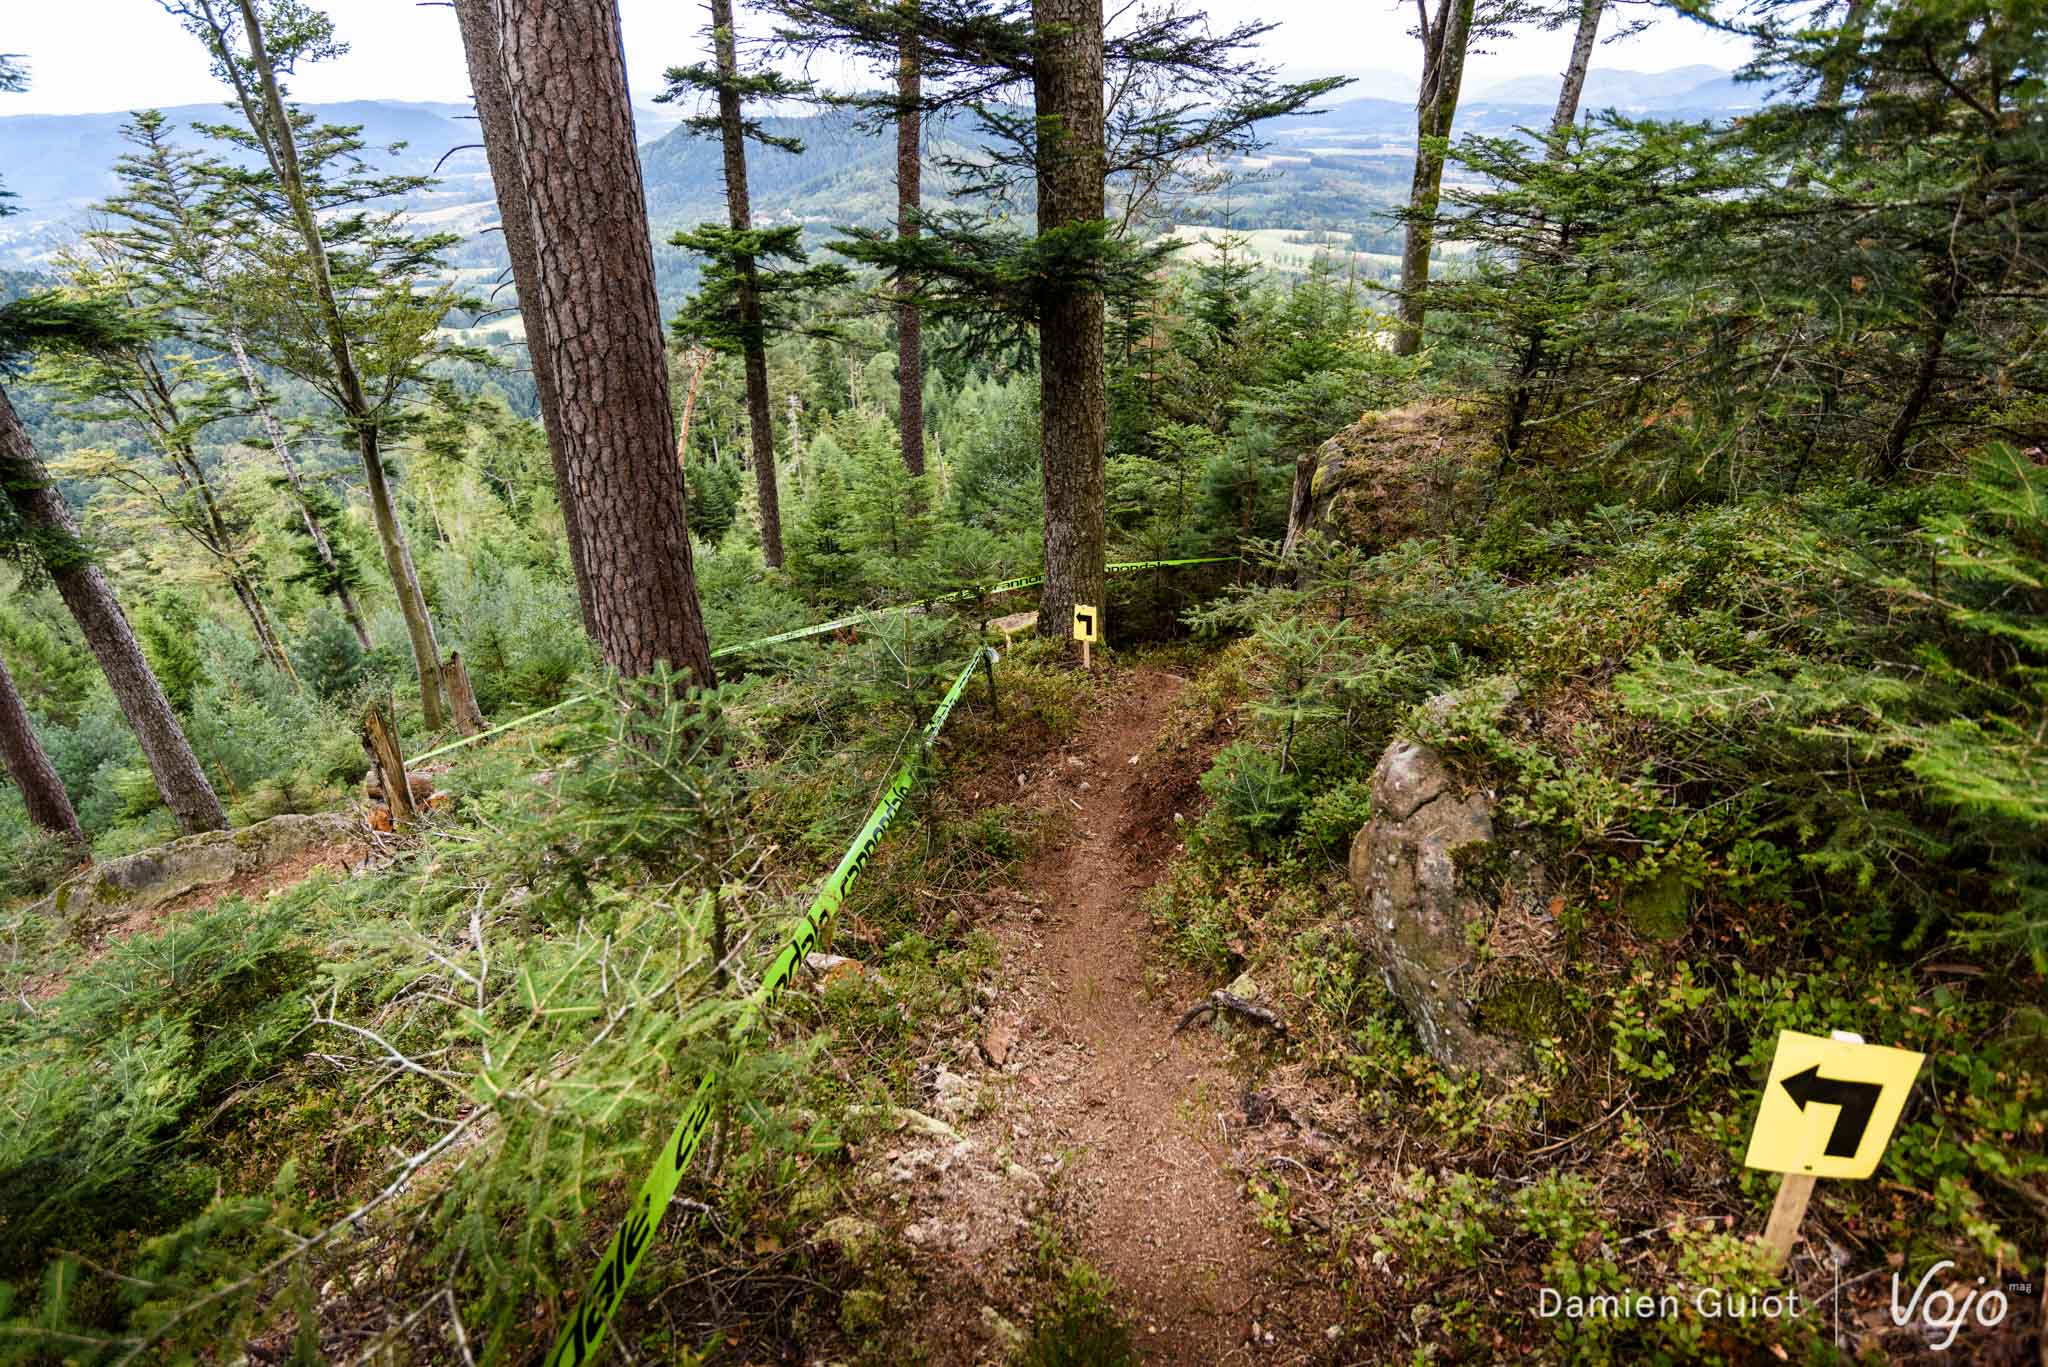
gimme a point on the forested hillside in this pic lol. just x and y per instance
(1092, 705)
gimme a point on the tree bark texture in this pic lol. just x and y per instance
(572, 122)
(1573, 86)
(754, 347)
(909, 197)
(1436, 105)
(283, 151)
(86, 593)
(1072, 397)
(461, 696)
(28, 764)
(412, 604)
(494, 116)
(274, 431)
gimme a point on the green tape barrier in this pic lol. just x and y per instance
(957, 596)
(836, 624)
(579, 1340)
(497, 730)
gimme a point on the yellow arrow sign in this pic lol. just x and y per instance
(1829, 1107)
(1087, 623)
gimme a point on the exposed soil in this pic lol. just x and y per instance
(1158, 1209)
(1142, 1125)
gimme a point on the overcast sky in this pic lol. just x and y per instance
(99, 55)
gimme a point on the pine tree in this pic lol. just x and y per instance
(732, 311)
(1188, 93)
(170, 223)
(809, 28)
(368, 334)
(571, 126)
(494, 114)
(39, 528)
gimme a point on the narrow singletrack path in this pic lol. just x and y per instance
(1141, 1113)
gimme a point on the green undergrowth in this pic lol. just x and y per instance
(1776, 761)
(477, 1044)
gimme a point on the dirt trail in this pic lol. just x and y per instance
(1157, 1208)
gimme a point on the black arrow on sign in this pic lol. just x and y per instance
(1856, 1100)
(1087, 620)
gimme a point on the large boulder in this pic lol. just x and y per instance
(139, 882)
(1394, 474)
(1441, 899)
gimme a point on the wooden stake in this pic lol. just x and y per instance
(384, 744)
(461, 697)
(1087, 661)
(1795, 1189)
(988, 666)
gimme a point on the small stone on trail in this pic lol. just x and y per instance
(955, 1093)
(996, 1045)
(832, 968)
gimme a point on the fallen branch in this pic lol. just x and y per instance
(1219, 1000)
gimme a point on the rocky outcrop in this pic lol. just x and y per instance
(150, 878)
(1437, 889)
(1394, 474)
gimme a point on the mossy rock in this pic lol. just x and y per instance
(1661, 909)
(150, 878)
(1527, 1009)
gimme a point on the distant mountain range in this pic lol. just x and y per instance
(1681, 90)
(1335, 169)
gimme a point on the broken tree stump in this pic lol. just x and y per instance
(461, 697)
(383, 738)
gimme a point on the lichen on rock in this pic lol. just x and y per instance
(152, 877)
(1428, 917)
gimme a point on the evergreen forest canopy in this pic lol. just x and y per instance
(1665, 489)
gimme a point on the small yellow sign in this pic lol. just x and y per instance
(1829, 1107)
(1087, 623)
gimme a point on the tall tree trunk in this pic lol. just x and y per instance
(1574, 83)
(282, 149)
(1933, 341)
(412, 604)
(1073, 401)
(754, 346)
(909, 197)
(274, 431)
(220, 542)
(572, 126)
(86, 593)
(695, 361)
(259, 622)
(1436, 106)
(28, 764)
(494, 115)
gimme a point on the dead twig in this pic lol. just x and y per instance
(1219, 1000)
